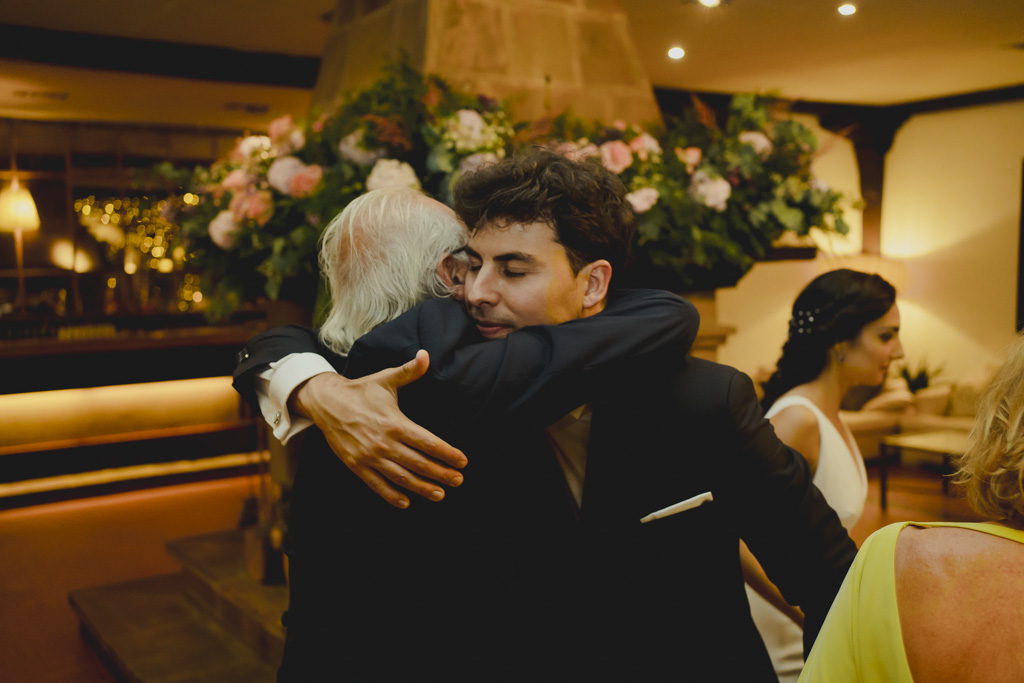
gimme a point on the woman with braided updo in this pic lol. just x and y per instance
(844, 332)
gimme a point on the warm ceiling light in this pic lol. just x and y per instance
(710, 3)
(17, 209)
(676, 53)
(847, 10)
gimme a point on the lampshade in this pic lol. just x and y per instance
(17, 208)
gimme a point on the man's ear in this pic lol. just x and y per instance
(599, 277)
(452, 271)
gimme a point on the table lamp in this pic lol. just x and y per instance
(17, 214)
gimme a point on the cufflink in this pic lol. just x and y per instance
(277, 418)
(243, 355)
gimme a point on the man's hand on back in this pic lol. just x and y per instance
(365, 428)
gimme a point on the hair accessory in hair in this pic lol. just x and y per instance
(802, 322)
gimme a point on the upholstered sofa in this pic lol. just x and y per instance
(945, 405)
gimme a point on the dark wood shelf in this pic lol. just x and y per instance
(120, 357)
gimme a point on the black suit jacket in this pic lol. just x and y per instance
(670, 591)
(358, 566)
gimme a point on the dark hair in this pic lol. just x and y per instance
(833, 307)
(584, 203)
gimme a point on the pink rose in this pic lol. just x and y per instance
(306, 181)
(619, 124)
(257, 206)
(235, 181)
(644, 145)
(690, 156)
(280, 127)
(318, 125)
(285, 135)
(223, 230)
(616, 156)
(643, 199)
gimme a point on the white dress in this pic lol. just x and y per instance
(843, 481)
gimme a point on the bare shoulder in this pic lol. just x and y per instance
(797, 427)
(960, 598)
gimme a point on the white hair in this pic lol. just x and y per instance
(379, 257)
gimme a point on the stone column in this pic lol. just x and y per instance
(544, 56)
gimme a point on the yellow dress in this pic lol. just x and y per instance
(861, 638)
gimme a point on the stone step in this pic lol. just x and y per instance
(217, 578)
(149, 631)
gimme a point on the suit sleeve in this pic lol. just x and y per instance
(782, 516)
(536, 374)
(272, 345)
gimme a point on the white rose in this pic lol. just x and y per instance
(713, 192)
(281, 172)
(477, 161)
(223, 229)
(392, 173)
(643, 199)
(470, 129)
(254, 145)
(819, 185)
(351, 149)
(758, 140)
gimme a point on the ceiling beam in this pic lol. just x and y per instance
(131, 55)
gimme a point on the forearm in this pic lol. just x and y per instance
(754, 576)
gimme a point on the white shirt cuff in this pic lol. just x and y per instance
(275, 385)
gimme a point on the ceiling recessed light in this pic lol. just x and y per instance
(710, 3)
(676, 53)
(847, 10)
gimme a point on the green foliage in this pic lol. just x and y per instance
(709, 199)
(919, 377)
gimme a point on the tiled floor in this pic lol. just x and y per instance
(48, 550)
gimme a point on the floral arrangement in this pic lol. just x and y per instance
(251, 222)
(709, 199)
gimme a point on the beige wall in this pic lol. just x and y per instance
(951, 211)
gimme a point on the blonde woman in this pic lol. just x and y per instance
(943, 601)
